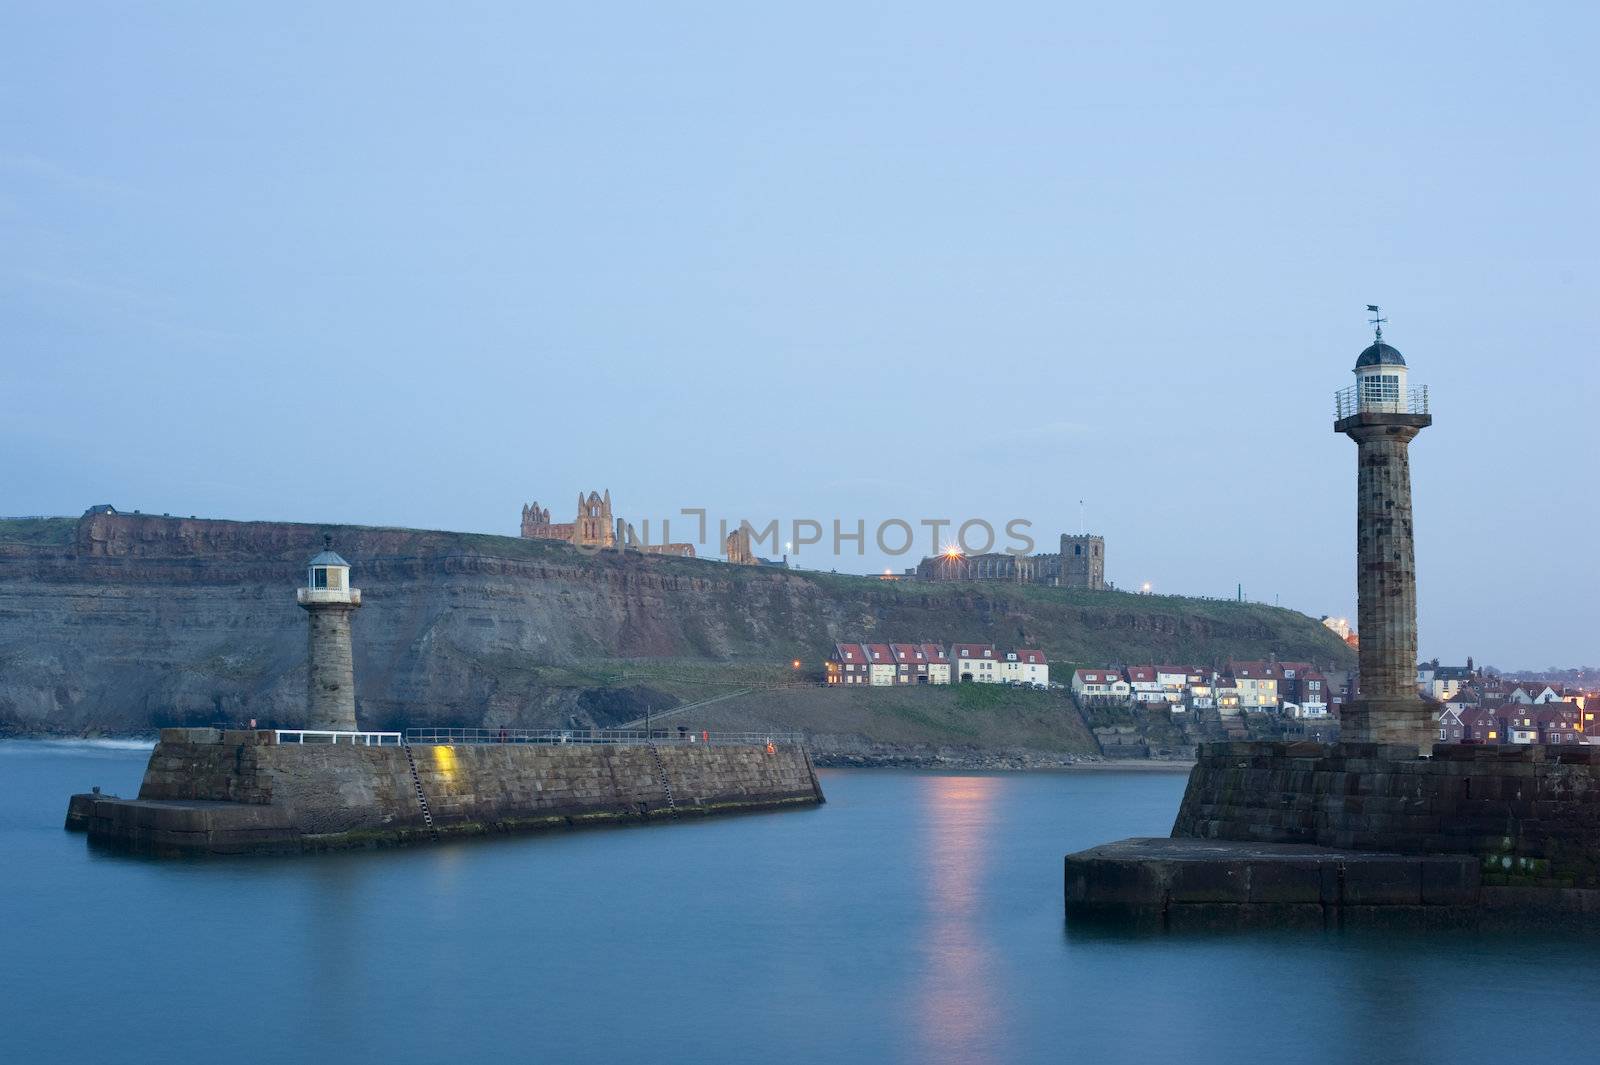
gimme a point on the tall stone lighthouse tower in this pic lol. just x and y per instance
(1382, 413)
(329, 600)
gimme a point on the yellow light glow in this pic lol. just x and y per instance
(444, 760)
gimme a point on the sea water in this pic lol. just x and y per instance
(916, 917)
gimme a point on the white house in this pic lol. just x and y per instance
(974, 662)
(1025, 667)
(1146, 688)
(1107, 684)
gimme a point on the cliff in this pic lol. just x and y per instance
(127, 622)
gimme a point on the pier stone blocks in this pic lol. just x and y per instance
(211, 792)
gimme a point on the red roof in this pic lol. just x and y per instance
(1141, 674)
(881, 650)
(849, 652)
(972, 650)
(935, 653)
(1097, 676)
(908, 653)
(1032, 658)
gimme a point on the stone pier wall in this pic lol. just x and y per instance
(1530, 813)
(206, 790)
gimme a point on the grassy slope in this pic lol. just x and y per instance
(969, 715)
(55, 532)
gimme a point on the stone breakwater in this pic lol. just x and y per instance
(207, 791)
(1530, 813)
(1314, 834)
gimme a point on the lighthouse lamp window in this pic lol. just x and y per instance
(319, 577)
(1380, 388)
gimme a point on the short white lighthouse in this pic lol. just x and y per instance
(329, 601)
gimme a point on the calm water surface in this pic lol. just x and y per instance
(914, 918)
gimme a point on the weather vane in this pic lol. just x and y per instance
(1377, 322)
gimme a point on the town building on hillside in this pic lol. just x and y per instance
(1175, 680)
(1227, 690)
(1558, 723)
(1200, 694)
(1305, 689)
(1534, 694)
(1025, 667)
(938, 663)
(1256, 684)
(847, 664)
(1451, 728)
(974, 662)
(880, 664)
(1441, 682)
(1479, 724)
(1520, 724)
(910, 663)
(1144, 685)
(1101, 685)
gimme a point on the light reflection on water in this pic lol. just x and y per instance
(916, 918)
(957, 1016)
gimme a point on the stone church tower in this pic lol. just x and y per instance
(1083, 562)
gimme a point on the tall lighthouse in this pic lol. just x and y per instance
(329, 601)
(1382, 412)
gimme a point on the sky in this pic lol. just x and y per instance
(418, 265)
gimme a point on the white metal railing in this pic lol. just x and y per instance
(328, 595)
(357, 739)
(1349, 401)
(637, 737)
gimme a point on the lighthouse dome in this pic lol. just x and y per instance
(1380, 354)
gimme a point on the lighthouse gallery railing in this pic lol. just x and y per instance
(1348, 401)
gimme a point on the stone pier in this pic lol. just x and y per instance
(207, 791)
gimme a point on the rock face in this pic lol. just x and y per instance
(127, 623)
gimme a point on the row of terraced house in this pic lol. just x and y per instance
(1482, 707)
(887, 664)
(1294, 689)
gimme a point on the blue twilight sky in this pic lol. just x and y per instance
(419, 264)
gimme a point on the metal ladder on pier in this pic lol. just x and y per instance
(666, 785)
(422, 800)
